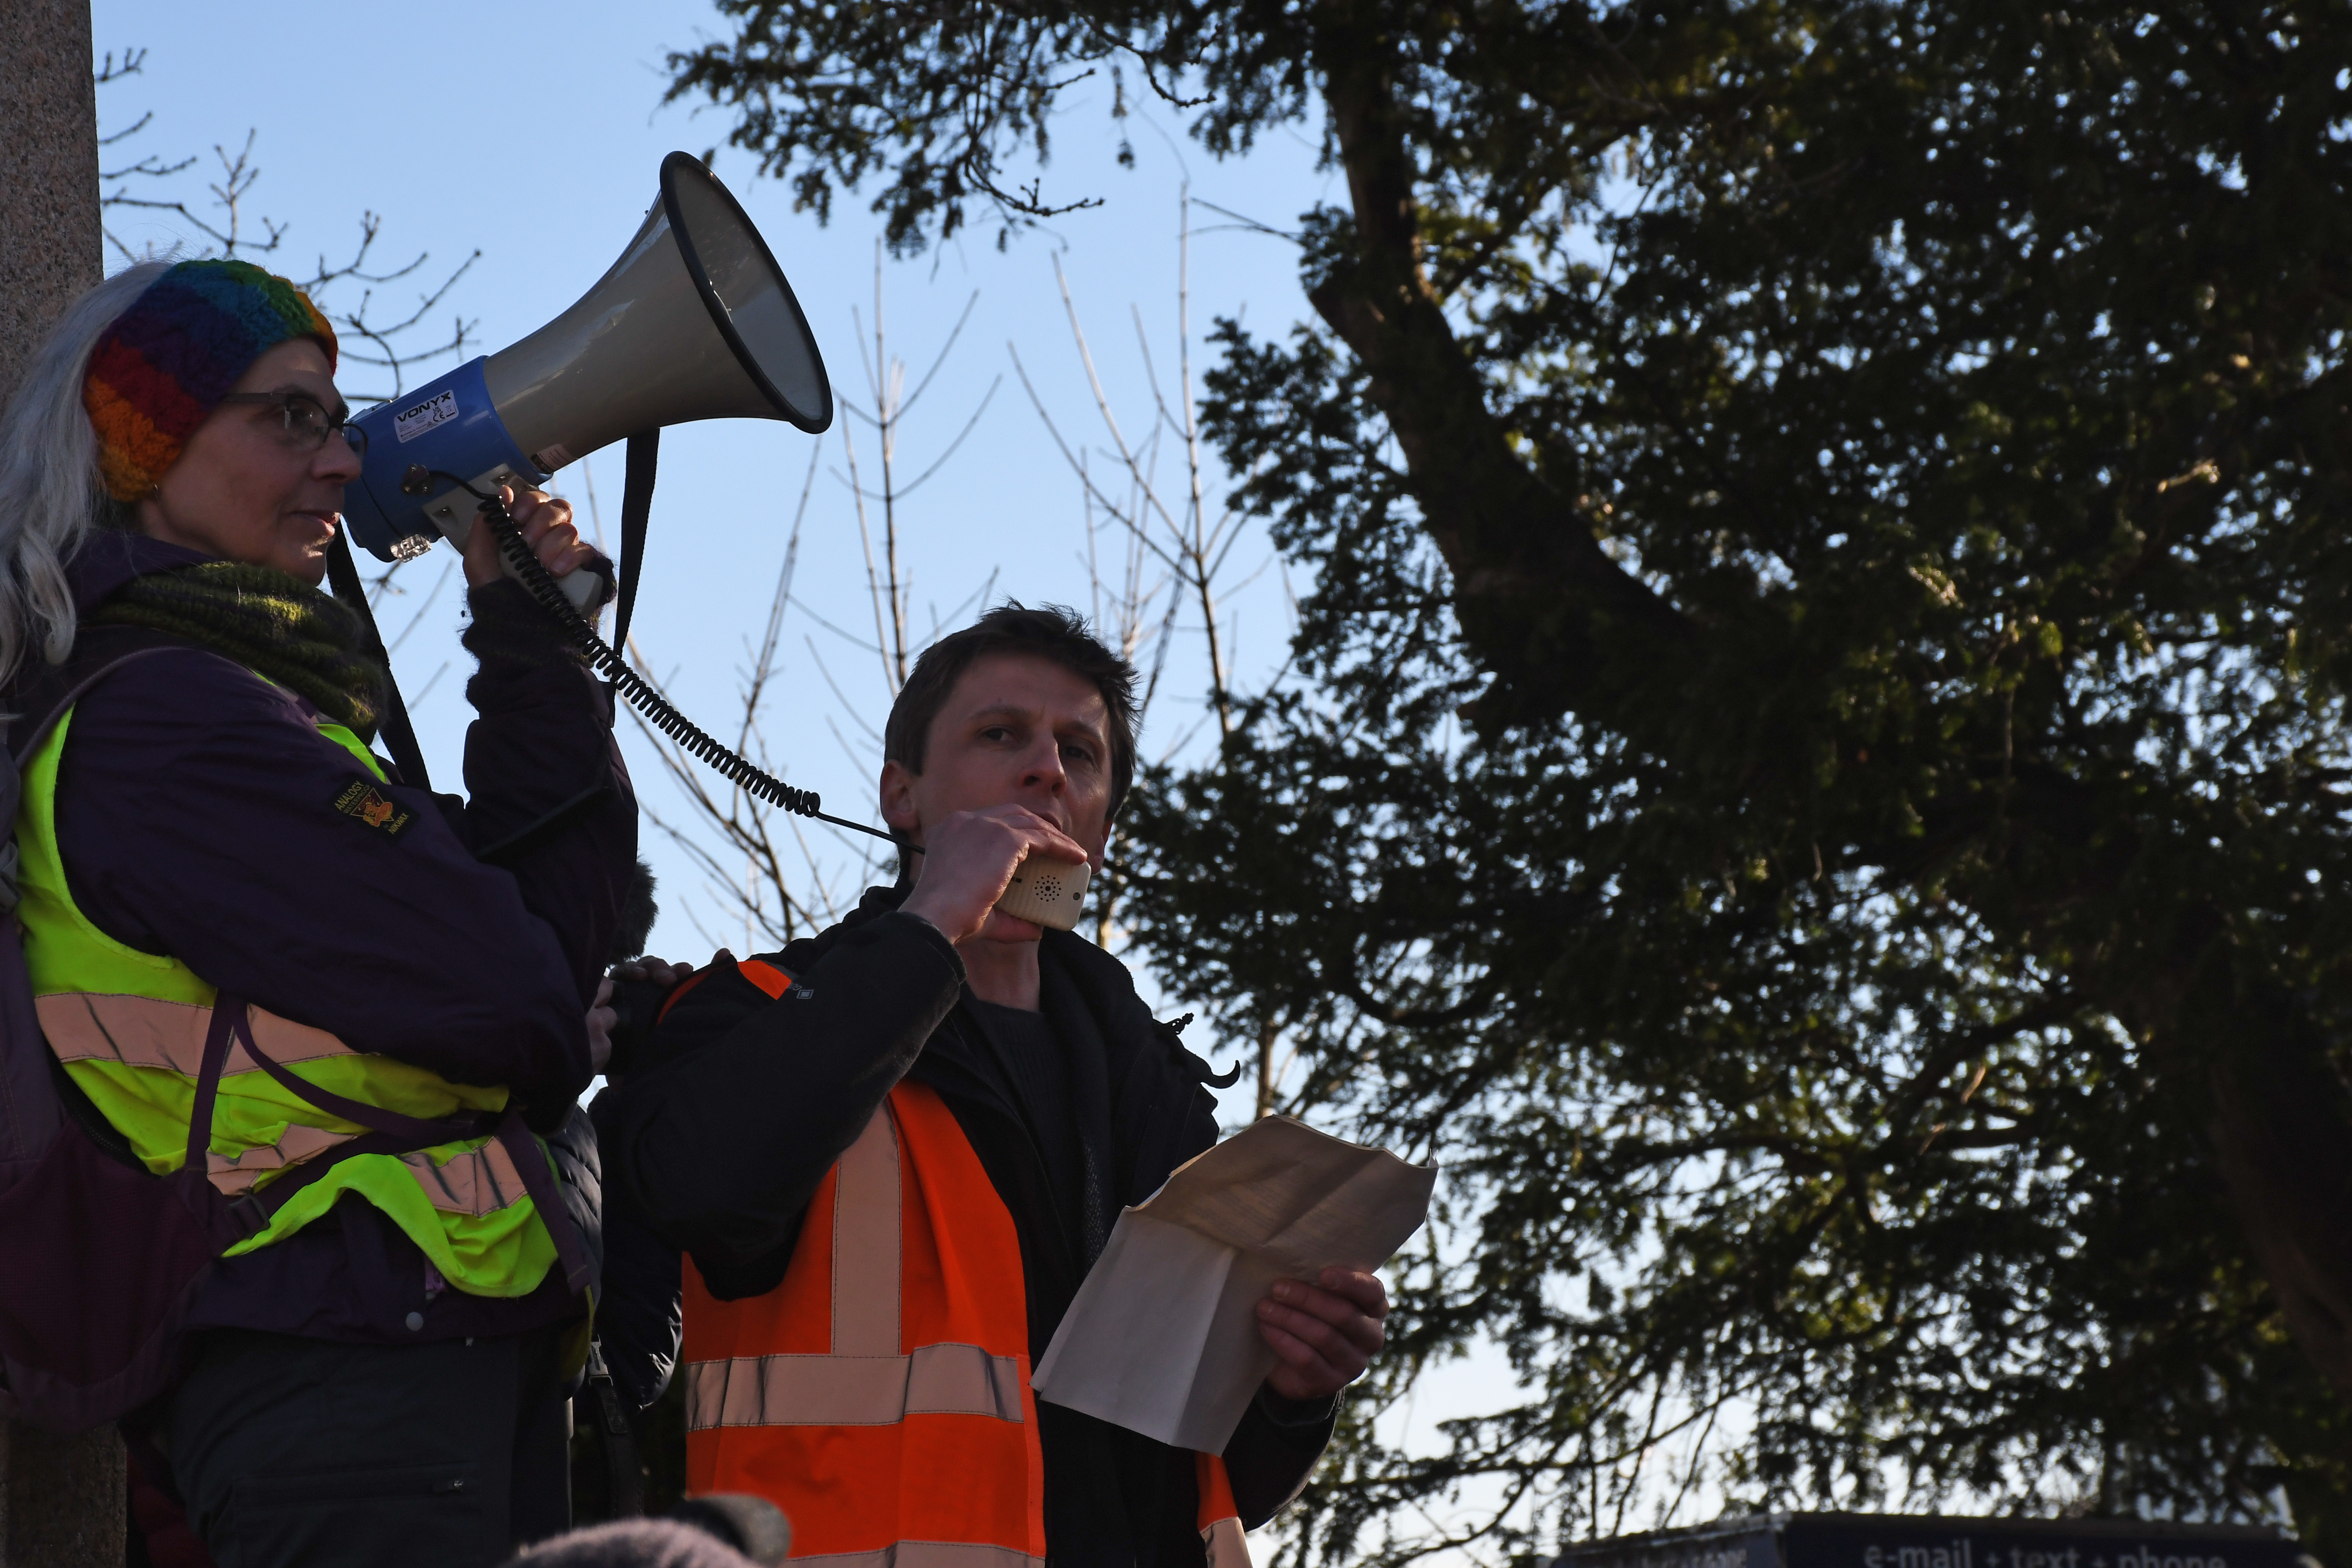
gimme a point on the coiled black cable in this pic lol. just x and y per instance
(540, 584)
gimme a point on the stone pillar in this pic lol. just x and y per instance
(50, 247)
(61, 1498)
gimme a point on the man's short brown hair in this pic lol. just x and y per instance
(1049, 632)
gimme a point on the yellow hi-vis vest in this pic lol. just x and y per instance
(130, 1027)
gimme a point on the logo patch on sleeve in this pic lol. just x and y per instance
(364, 802)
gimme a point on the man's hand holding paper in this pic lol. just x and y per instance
(1203, 1293)
(1325, 1333)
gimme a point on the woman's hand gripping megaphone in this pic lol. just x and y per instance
(547, 528)
(974, 862)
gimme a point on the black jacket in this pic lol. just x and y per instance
(730, 1116)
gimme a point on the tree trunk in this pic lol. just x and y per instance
(1537, 597)
(2276, 1110)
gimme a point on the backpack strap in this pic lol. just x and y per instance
(395, 1132)
(32, 1106)
(38, 704)
(250, 1213)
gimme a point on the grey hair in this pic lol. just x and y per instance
(50, 492)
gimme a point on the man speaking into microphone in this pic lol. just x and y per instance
(892, 1152)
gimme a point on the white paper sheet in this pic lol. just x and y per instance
(1162, 1338)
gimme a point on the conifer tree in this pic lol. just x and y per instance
(1817, 784)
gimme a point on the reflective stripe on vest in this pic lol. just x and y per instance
(130, 1027)
(880, 1395)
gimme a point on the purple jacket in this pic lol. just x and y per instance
(196, 813)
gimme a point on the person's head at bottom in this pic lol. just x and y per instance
(720, 1531)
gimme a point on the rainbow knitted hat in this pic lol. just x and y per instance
(166, 361)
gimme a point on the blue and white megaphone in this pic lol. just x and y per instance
(694, 321)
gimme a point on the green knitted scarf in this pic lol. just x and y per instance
(278, 626)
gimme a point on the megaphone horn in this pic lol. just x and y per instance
(694, 321)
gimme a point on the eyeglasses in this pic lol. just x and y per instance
(307, 423)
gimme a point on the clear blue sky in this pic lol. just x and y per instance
(532, 132)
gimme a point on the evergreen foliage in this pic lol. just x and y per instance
(1817, 787)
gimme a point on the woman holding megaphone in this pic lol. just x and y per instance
(358, 1005)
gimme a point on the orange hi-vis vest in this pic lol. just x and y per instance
(880, 1395)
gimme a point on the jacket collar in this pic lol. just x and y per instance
(109, 557)
(1100, 983)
